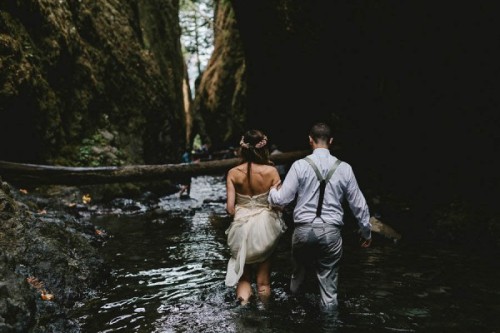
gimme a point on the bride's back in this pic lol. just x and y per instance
(262, 177)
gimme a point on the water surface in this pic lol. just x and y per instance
(168, 269)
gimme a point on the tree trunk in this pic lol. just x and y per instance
(33, 174)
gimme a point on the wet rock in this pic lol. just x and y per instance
(49, 253)
(7, 204)
(127, 205)
(215, 200)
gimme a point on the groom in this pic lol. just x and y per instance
(321, 182)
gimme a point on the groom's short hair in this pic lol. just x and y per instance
(321, 132)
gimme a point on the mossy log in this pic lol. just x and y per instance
(33, 174)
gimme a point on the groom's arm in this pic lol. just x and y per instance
(284, 194)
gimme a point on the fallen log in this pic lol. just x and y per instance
(384, 230)
(33, 174)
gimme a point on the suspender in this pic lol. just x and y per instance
(322, 181)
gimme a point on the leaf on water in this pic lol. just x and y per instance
(86, 198)
(99, 232)
(38, 285)
(34, 282)
(46, 296)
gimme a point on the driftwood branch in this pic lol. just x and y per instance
(32, 174)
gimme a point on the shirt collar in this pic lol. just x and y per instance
(321, 152)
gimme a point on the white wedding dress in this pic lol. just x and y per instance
(253, 234)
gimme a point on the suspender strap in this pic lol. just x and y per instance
(322, 181)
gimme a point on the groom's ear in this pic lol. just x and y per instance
(311, 141)
(330, 141)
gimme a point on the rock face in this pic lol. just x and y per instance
(69, 69)
(219, 107)
(44, 254)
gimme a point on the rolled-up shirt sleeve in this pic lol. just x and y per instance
(358, 205)
(286, 193)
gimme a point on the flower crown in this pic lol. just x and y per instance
(259, 144)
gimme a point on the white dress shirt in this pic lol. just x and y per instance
(301, 181)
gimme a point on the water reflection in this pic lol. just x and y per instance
(169, 267)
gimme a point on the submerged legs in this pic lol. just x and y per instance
(263, 277)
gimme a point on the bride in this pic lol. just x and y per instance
(256, 226)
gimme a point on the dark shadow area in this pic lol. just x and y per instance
(410, 87)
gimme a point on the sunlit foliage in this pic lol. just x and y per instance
(196, 20)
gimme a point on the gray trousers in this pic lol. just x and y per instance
(317, 245)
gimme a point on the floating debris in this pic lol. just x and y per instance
(35, 283)
(86, 199)
(46, 296)
(38, 285)
(99, 232)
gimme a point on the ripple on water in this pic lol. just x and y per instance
(415, 312)
(169, 267)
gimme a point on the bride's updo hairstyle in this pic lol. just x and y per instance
(254, 149)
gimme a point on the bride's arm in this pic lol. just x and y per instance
(231, 194)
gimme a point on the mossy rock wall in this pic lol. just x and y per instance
(219, 108)
(70, 69)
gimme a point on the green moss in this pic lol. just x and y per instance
(98, 151)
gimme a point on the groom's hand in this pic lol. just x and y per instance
(277, 185)
(365, 242)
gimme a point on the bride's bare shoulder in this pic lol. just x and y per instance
(270, 168)
(239, 168)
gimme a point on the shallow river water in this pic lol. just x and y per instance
(168, 268)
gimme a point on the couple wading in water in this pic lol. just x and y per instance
(255, 198)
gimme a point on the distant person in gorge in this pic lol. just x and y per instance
(256, 227)
(185, 182)
(319, 183)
